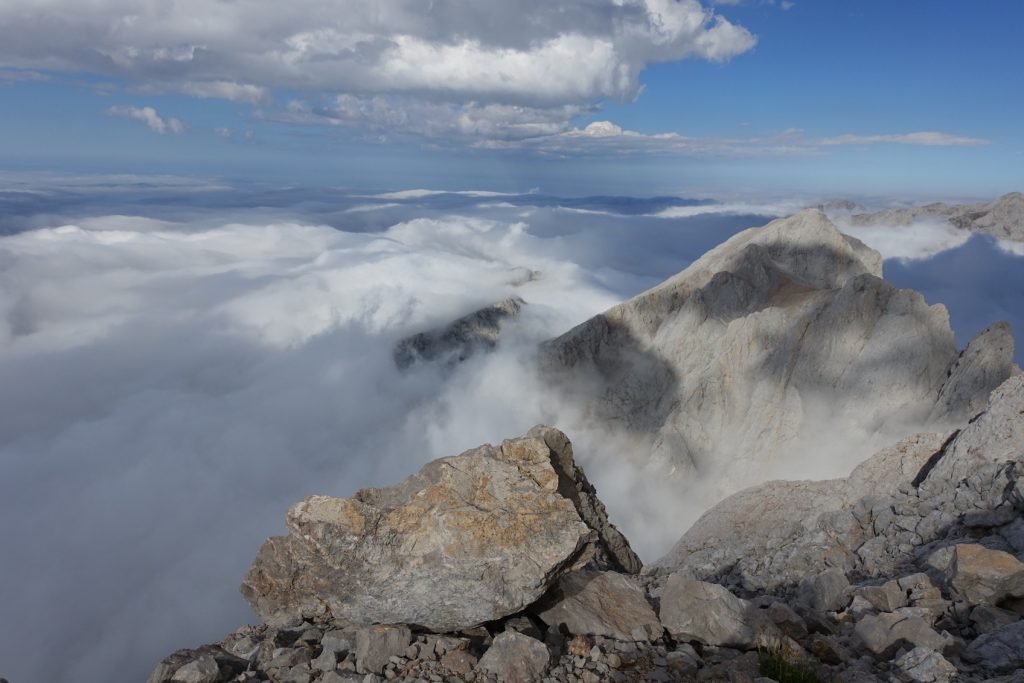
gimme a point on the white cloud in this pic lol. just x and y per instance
(17, 75)
(530, 53)
(224, 132)
(920, 240)
(605, 137)
(926, 138)
(149, 116)
(227, 90)
(403, 115)
(486, 69)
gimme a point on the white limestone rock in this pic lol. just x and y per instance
(781, 347)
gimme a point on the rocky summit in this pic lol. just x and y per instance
(501, 564)
(781, 340)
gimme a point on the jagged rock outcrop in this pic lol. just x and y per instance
(467, 540)
(768, 343)
(1002, 218)
(767, 537)
(978, 370)
(918, 579)
(746, 531)
(461, 338)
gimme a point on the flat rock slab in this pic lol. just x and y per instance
(883, 634)
(468, 539)
(983, 576)
(1001, 650)
(515, 658)
(375, 645)
(602, 604)
(709, 613)
(208, 664)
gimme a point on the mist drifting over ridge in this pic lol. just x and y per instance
(174, 379)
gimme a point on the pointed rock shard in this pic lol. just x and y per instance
(612, 549)
(981, 367)
(468, 539)
(995, 436)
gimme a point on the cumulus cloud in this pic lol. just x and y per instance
(149, 117)
(466, 57)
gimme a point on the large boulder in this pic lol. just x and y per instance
(468, 539)
(982, 576)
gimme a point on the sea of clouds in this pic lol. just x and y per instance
(178, 367)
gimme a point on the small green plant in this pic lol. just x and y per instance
(783, 667)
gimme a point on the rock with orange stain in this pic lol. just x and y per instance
(466, 540)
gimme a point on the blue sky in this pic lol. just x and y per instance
(635, 97)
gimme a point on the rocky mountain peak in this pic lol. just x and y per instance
(748, 358)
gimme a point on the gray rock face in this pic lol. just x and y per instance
(982, 576)
(926, 666)
(978, 370)
(709, 613)
(375, 645)
(996, 436)
(469, 539)
(515, 658)
(774, 535)
(828, 591)
(1002, 218)
(603, 604)
(779, 344)
(883, 634)
(1002, 650)
(459, 340)
(751, 531)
